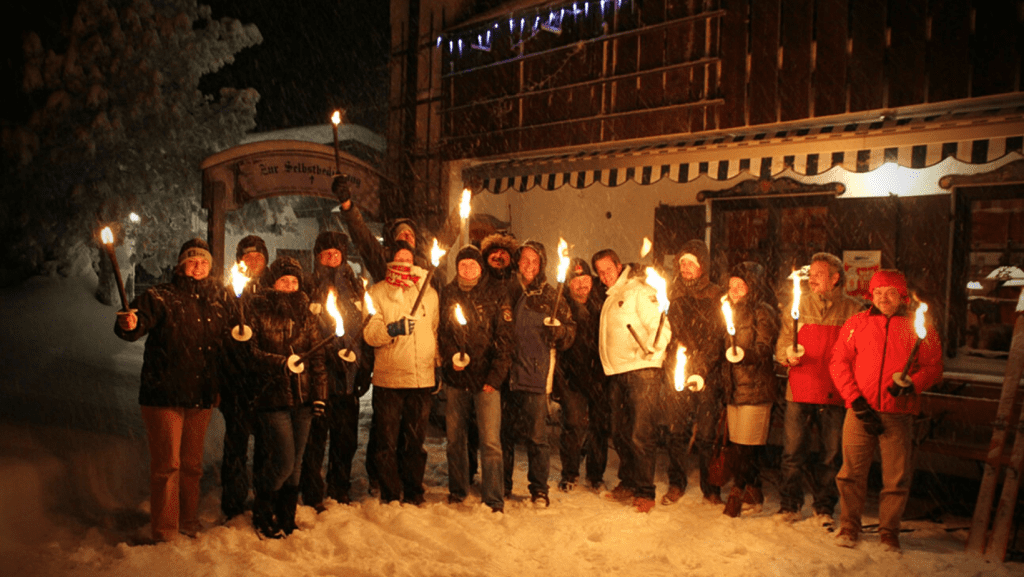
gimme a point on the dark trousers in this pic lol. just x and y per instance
(239, 425)
(400, 418)
(635, 398)
(525, 414)
(692, 417)
(586, 428)
(800, 465)
(341, 424)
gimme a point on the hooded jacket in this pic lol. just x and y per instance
(695, 314)
(532, 361)
(872, 348)
(187, 321)
(406, 361)
(282, 326)
(631, 302)
(752, 380)
(373, 252)
(821, 318)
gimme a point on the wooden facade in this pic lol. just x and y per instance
(667, 67)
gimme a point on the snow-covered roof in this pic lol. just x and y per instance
(321, 134)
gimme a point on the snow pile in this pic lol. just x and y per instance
(73, 471)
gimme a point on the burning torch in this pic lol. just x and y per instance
(464, 208)
(295, 362)
(656, 281)
(242, 332)
(563, 268)
(797, 350)
(901, 384)
(682, 382)
(108, 242)
(460, 359)
(335, 121)
(435, 259)
(733, 354)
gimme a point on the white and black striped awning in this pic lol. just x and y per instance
(976, 138)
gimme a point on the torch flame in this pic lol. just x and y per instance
(563, 259)
(919, 327)
(239, 278)
(646, 248)
(795, 310)
(464, 206)
(107, 235)
(367, 301)
(680, 380)
(658, 283)
(459, 316)
(435, 254)
(331, 306)
(134, 217)
(727, 311)
(336, 117)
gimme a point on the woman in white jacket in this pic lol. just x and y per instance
(405, 346)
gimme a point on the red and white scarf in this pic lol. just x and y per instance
(400, 275)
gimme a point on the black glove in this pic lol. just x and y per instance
(339, 186)
(901, 386)
(319, 408)
(401, 327)
(552, 335)
(868, 417)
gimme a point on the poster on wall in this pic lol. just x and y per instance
(858, 266)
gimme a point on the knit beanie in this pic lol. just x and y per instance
(331, 239)
(195, 248)
(286, 266)
(470, 251)
(251, 243)
(577, 267)
(889, 278)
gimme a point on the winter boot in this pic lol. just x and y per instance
(285, 503)
(263, 516)
(753, 499)
(734, 506)
(674, 495)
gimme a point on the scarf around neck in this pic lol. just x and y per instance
(399, 274)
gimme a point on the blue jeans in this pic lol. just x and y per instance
(487, 407)
(284, 433)
(635, 397)
(798, 463)
(526, 414)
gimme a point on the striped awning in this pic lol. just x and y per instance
(914, 142)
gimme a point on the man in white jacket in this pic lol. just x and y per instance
(632, 360)
(405, 344)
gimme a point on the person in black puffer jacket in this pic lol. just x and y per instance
(695, 315)
(286, 401)
(750, 384)
(187, 322)
(474, 388)
(346, 381)
(581, 387)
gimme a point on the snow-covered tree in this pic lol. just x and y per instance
(120, 125)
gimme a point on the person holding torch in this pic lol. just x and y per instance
(813, 404)
(692, 414)
(525, 404)
(405, 354)
(475, 358)
(632, 359)
(875, 346)
(347, 381)
(750, 384)
(288, 397)
(187, 322)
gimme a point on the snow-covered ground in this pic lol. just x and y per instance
(73, 470)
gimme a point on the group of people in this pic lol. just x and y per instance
(504, 345)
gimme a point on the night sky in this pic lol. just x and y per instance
(316, 55)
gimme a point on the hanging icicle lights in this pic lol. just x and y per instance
(521, 28)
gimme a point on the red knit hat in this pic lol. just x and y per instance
(889, 278)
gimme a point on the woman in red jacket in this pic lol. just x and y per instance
(867, 363)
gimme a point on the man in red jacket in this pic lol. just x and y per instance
(812, 401)
(867, 364)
